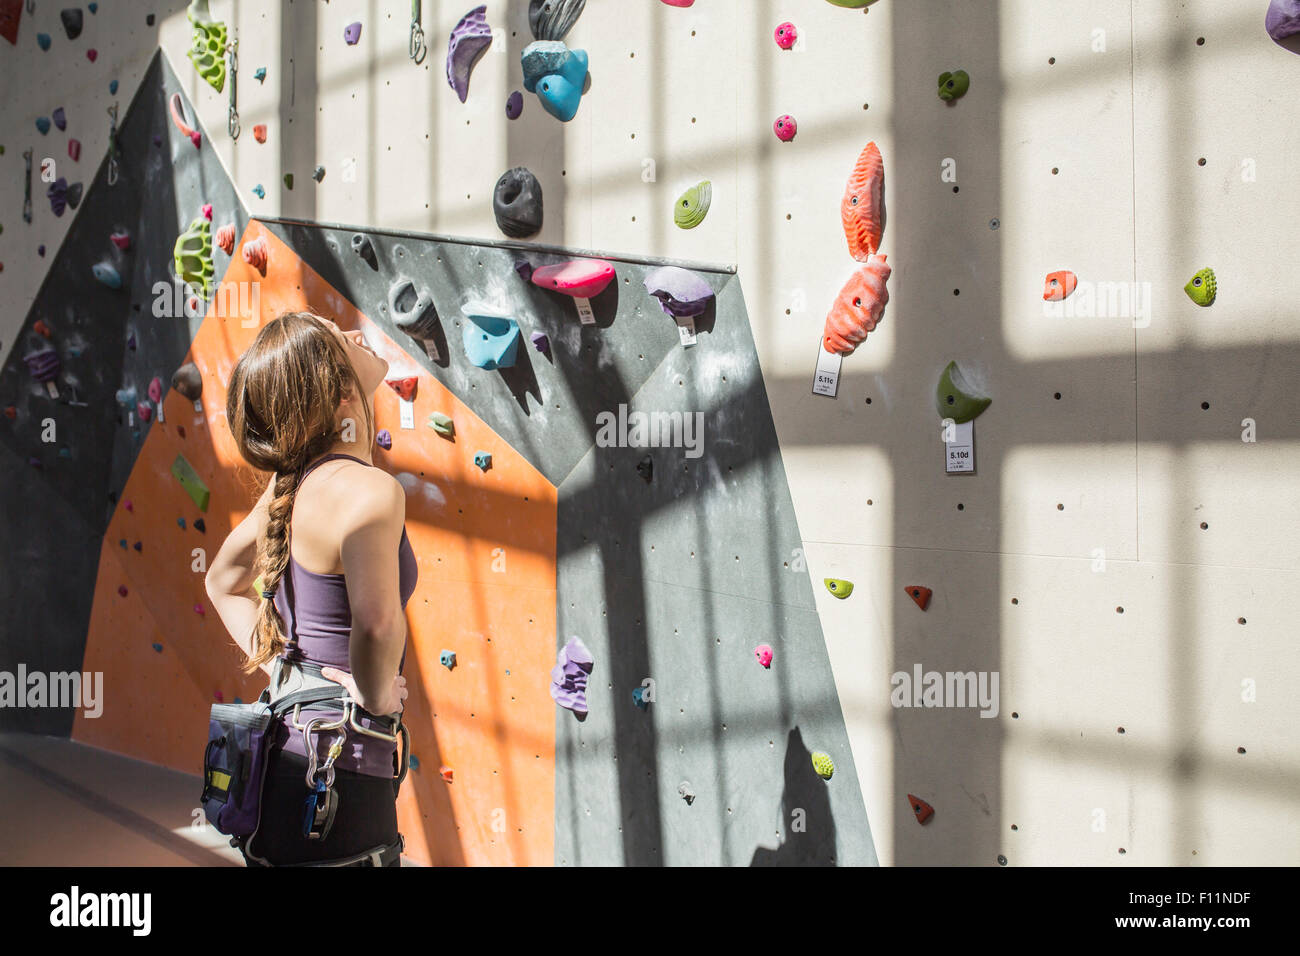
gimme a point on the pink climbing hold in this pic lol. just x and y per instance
(92, 54)
(255, 254)
(121, 239)
(581, 278)
(121, 590)
(786, 35)
(155, 390)
(198, 609)
(193, 134)
(207, 211)
(764, 654)
(680, 3)
(226, 238)
(785, 128)
(74, 149)
(144, 411)
(128, 506)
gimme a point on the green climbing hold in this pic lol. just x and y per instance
(207, 44)
(442, 424)
(288, 180)
(839, 587)
(823, 764)
(1202, 288)
(953, 86)
(955, 399)
(693, 205)
(193, 255)
(184, 472)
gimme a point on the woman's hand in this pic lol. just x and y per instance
(392, 703)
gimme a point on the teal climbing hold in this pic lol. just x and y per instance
(43, 124)
(638, 697)
(491, 339)
(43, 40)
(483, 460)
(260, 74)
(259, 192)
(447, 659)
(107, 275)
(557, 75)
(181, 523)
(415, 762)
(157, 647)
(112, 87)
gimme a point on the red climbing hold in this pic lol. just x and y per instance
(74, 149)
(11, 412)
(405, 387)
(922, 809)
(121, 239)
(40, 328)
(446, 773)
(121, 590)
(919, 594)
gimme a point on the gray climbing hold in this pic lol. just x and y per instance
(517, 203)
(72, 21)
(553, 19)
(412, 311)
(318, 173)
(188, 381)
(646, 469)
(362, 246)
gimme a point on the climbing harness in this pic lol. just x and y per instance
(232, 122)
(27, 195)
(112, 145)
(416, 49)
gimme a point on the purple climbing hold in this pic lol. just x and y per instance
(157, 140)
(569, 676)
(540, 341)
(514, 105)
(58, 195)
(525, 270)
(1282, 19)
(384, 439)
(35, 463)
(44, 365)
(60, 120)
(40, 250)
(139, 546)
(467, 43)
(352, 33)
(681, 292)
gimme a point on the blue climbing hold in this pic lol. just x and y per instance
(65, 453)
(157, 647)
(491, 340)
(43, 124)
(483, 459)
(112, 87)
(126, 396)
(638, 697)
(122, 542)
(259, 192)
(107, 275)
(259, 74)
(557, 75)
(43, 40)
(92, 7)
(181, 522)
(415, 762)
(447, 659)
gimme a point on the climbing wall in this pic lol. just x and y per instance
(1122, 557)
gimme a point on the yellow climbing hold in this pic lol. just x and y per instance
(823, 764)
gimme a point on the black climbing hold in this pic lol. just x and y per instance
(72, 20)
(74, 195)
(149, 19)
(199, 526)
(362, 246)
(517, 203)
(188, 381)
(139, 546)
(646, 468)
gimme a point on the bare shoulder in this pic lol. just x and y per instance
(369, 495)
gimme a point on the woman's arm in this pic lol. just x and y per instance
(231, 574)
(372, 533)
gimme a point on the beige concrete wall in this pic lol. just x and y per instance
(1135, 464)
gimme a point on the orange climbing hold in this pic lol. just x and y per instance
(858, 308)
(862, 209)
(255, 253)
(226, 238)
(1059, 285)
(922, 809)
(40, 328)
(405, 387)
(919, 594)
(259, 132)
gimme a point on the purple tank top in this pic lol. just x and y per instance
(318, 624)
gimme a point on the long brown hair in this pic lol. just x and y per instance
(281, 403)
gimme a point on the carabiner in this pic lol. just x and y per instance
(232, 119)
(27, 194)
(112, 146)
(416, 48)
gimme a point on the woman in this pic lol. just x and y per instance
(333, 592)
